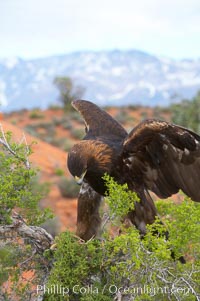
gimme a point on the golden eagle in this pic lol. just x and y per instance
(155, 155)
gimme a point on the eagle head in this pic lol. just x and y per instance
(77, 163)
(89, 160)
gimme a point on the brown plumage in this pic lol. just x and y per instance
(155, 155)
(88, 218)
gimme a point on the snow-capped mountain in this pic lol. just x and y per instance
(109, 78)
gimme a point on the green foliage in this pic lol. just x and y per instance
(9, 258)
(52, 226)
(127, 266)
(68, 91)
(187, 113)
(186, 216)
(67, 145)
(78, 133)
(48, 130)
(76, 116)
(123, 116)
(59, 172)
(68, 187)
(19, 186)
(144, 115)
(20, 192)
(158, 112)
(36, 114)
(120, 199)
(54, 107)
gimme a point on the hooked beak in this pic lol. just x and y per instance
(79, 180)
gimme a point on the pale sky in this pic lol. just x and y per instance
(38, 28)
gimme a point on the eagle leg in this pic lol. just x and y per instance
(144, 213)
(88, 218)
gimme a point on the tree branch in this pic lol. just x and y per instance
(4, 142)
(191, 288)
(38, 236)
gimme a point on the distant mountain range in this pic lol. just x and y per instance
(109, 78)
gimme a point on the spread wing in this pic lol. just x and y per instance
(164, 157)
(97, 121)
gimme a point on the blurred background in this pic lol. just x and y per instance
(120, 52)
(138, 59)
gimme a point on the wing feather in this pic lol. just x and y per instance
(169, 155)
(97, 121)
